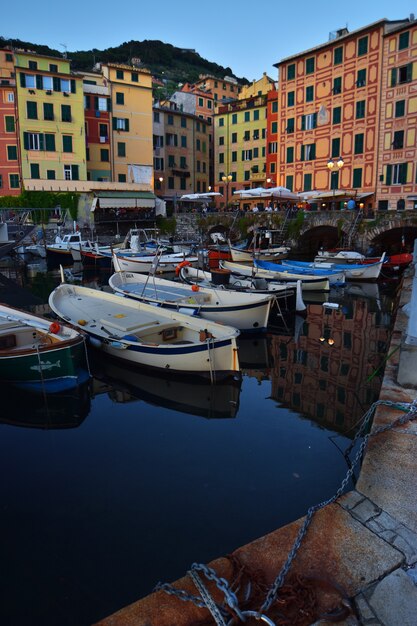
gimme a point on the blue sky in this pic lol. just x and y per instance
(248, 36)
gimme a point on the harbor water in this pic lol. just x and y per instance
(131, 478)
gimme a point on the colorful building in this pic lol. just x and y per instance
(329, 116)
(240, 142)
(50, 108)
(272, 137)
(131, 151)
(397, 167)
(10, 174)
(97, 106)
(181, 156)
(220, 88)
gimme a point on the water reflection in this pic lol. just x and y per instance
(123, 384)
(46, 411)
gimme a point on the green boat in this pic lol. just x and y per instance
(39, 355)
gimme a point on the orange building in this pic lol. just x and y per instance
(10, 174)
(329, 116)
(397, 171)
(221, 88)
(272, 137)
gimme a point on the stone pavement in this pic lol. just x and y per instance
(364, 544)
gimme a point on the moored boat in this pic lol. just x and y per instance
(40, 355)
(309, 282)
(146, 335)
(353, 271)
(155, 263)
(248, 312)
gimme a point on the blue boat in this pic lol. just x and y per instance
(336, 276)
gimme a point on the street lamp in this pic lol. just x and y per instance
(226, 178)
(334, 166)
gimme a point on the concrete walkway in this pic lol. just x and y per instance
(363, 546)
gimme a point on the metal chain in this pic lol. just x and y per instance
(223, 585)
(208, 600)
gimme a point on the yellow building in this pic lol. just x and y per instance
(131, 122)
(51, 118)
(240, 141)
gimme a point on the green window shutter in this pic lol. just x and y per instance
(357, 177)
(243, 155)
(315, 120)
(41, 141)
(303, 122)
(95, 103)
(22, 79)
(121, 149)
(9, 124)
(409, 72)
(87, 100)
(66, 143)
(49, 142)
(75, 172)
(127, 128)
(48, 111)
(302, 153)
(108, 104)
(39, 83)
(114, 123)
(358, 144)
(73, 86)
(50, 174)
(336, 147)
(34, 170)
(403, 173)
(400, 108)
(12, 153)
(32, 110)
(313, 151)
(26, 141)
(388, 175)
(337, 115)
(307, 182)
(393, 77)
(289, 182)
(291, 71)
(56, 83)
(290, 98)
(290, 154)
(403, 40)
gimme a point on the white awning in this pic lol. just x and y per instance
(123, 203)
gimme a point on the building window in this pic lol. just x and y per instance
(272, 167)
(32, 65)
(360, 109)
(337, 115)
(400, 108)
(361, 78)
(183, 183)
(10, 96)
(71, 172)
(274, 108)
(246, 155)
(66, 143)
(50, 174)
(308, 122)
(362, 46)
(290, 154)
(338, 55)
(101, 104)
(104, 155)
(120, 74)
(291, 71)
(274, 128)
(156, 117)
(398, 142)
(234, 118)
(34, 170)
(158, 163)
(121, 149)
(357, 178)
(53, 68)
(290, 98)
(337, 85)
(14, 181)
(221, 158)
(247, 116)
(9, 57)
(309, 93)
(121, 178)
(289, 182)
(335, 147)
(234, 157)
(134, 77)
(184, 123)
(66, 113)
(48, 111)
(308, 152)
(401, 75)
(32, 110)
(221, 121)
(307, 182)
(358, 148)
(334, 180)
(12, 153)
(183, 141)
(120, 97)
(404, 40)
(234, 138)
(9, 124)
(290, 125)
(310, 65)
(171, 160)
(273, 147)
(221, 141)
(246, 135)
(120, 124)
(256, 115)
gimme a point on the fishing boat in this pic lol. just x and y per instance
(309, 282)
(336, 276)
(245, 311)
(158, 263)
(146, 335)
(66, 248)
(288, 296)
(10, 239)
(353, 271)
(393, 263)
(241, 254)
(40, 355)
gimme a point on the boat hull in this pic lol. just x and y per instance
(308, 283)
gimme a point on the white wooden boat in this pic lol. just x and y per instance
(240, 255)
(308, 281)
(40, 355)
(147, 335)
(155, 264)
(335, 274)
(356, 271)
(65, 248)
(288, 295)
(245, 311)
